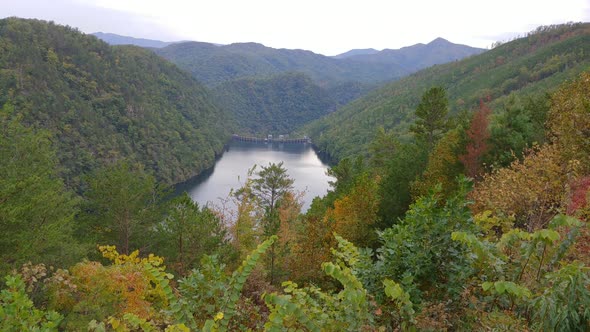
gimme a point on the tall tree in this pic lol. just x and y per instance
(36, 211)
(189, 232)
(122, 206)
(569, 120)
(408, 162)
(270, 186)
(517, 127)
(443, 167)
(478, 134)
(245, 232)
(431, 113)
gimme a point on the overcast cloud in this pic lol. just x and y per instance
(324, 26)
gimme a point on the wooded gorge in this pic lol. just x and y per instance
(460, 200)
(103, 103)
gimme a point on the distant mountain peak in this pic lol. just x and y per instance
(439, 41)
(417, 56)
(248, 44)
(354, 52)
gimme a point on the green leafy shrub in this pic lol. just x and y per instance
(17, 312)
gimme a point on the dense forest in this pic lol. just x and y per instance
(102, 103)
(276, 105)
(453, 221)
(249, 79)
(508, 74)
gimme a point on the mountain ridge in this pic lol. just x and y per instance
(214, 65)
(419, 56)
(355, 51)
(518, 69)
(115, 39)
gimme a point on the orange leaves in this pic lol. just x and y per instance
(125, 287)
(355, 214)
(101, 291)
(478, 134)
(310, 248)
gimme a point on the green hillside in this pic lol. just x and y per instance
(104, 103)
(281, 103)
(248, 77)
(524, 67)
(275, 105)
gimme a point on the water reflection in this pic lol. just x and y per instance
(230, 171)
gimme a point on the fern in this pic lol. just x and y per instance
(234, 289)
(310, 308)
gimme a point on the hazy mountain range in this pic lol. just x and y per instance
(114, 39)
(417, 56)
(213, 63)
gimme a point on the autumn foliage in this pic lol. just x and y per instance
(531, 190)
(478, 134)
(580, 198)
(569, 120)
(354, 215)
(443, 167)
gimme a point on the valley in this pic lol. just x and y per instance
(138, 191)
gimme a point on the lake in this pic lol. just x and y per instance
(231, 169)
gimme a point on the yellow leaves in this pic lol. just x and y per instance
(125, 289)
(218, 316)
(493, 225)
(569, 120)
(177, 328)
(442, 167)
(530, 190)
(115, 323)
(110, 253)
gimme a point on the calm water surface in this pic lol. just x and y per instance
(230, 171)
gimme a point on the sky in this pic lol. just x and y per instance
(327, 27)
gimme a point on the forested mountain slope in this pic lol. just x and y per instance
(248, 78)
(275, 105)
(103, 103)
(523, 67)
